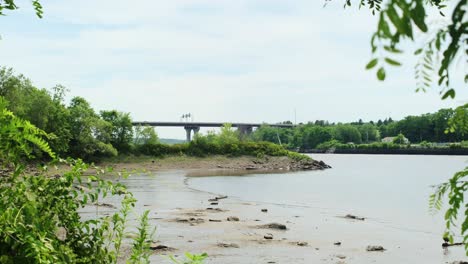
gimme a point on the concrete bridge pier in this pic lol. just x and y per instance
(244, 130)
(188, 132)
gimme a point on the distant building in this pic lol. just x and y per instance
(390, 140)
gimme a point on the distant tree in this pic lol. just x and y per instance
(121, 129)
(458, 123)
(440, 121)
(400, 139)
(90, 137)
(369, 132)
(145, 135)
(346, 134)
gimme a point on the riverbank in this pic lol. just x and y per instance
(218, 162)
(232, 230)
(393, 151)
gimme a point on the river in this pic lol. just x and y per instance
(390, 191)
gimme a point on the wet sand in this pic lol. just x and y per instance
(183, 224)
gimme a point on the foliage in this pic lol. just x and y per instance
(90, 135)
(400, 139)
(145, 135)
(190, 259)
(400, 19)
(39, 214)
(455, 190)
(218, 144)
(458, 123)
(11, 5)
(120, 129)
(141, 245)
(19, 138)
(446, 45)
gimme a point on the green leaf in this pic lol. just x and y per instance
(381, 74)
(418, 14)
(372, 64)
(450, 93)
(392, 49)
(392, 62)
(418, 51)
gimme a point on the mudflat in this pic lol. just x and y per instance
(231, 230)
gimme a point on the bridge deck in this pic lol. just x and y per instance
(205, 124)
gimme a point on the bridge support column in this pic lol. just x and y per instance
(188, 132)
(244, 131)
(196, 130)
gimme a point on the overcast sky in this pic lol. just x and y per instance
(228, 61)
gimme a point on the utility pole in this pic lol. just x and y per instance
(295, 120)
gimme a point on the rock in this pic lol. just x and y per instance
(350, 216)
(268, 236)
(251, 168)
(228, 245)
(459, 262)
(274, 226)
(337, 243)
(302, 243)
(233, 218)
(214, 203)
(375, 248)
(215, 209)
(105, 205)
(214, 220)
(212, 200)
(160, 248)
(264, 210)
(221, 197)
(340, 256)
(191, 220)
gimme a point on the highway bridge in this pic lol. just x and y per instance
(244, 128)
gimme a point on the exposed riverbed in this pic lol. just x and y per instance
(391, 192)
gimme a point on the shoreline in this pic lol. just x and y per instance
(398, 151)
(186, 224)
(264, 164)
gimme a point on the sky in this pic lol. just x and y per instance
(223, 61)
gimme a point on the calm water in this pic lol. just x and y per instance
(392, 190)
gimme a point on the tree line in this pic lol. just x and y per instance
(77, 130)
(73, 129)
(431, 127)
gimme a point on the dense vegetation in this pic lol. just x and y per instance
(76, 130)
(417, 129)
(39, 218)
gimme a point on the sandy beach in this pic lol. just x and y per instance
(189, 220)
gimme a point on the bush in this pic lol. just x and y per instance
(39, 218)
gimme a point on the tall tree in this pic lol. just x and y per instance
(121, 129)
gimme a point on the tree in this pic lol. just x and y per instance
(121, 129)
(145, 135)
(90, 135)
(458, 123)
(347, 134)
